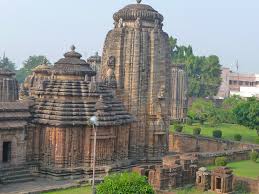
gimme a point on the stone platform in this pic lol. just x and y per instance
(37, 186)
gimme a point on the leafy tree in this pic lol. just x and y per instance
(247, 113)
(215, 117)
(130, 183)
(28, 65)
(6, 63)
(227, 108)
(203, 72)
(201, 110)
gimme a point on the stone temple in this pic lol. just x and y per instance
(136, 56)
(129, 89)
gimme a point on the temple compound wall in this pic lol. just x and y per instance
(136, 62)
(179, 142)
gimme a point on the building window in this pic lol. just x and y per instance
(7, 148)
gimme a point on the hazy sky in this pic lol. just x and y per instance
(227, 28)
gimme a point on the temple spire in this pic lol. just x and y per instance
(139, 1)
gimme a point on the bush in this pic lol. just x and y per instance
(254, 156)
(196, 131)
(237, 137)
(257, 140)
(178, 128)
(221, 161)
(241, 187)
(189, 121)
(217, 133)
(130, 183)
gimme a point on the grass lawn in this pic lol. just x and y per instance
(189, 190)
(246, 168)
(228, 131)
(79, 190)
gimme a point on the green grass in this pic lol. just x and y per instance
(228, 130)
(189, 190)
(79, 190)
(248, 169)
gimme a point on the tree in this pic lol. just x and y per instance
(130, 183)
(247, 113)
(203, 72)
(6, 63)
(228, 107)
(201, 110)
(29, 64)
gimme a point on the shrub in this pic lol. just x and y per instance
(217, 133)
(221, 161)
(257, 140)
(196, 131)
(131, 183)
(253, 156)
(178, 128)
(189, 121)
(237, 137)
(241, 187)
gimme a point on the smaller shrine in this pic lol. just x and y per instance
(221, 180)
(203, 179)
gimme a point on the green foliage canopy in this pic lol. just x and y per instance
(126, 183)
(203, 72)
(247, 113)
(201, 110)
(29, 64)
(6, 63)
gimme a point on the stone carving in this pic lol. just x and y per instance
(110, 78)
(120, 24)
(138, 23)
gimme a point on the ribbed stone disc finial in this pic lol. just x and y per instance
(139, 1)
(73, 48)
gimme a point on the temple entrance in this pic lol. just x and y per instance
(218, 183)
(7, 151)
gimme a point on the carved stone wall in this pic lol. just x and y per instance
(8, 86)
(137, 53)
(179, 93)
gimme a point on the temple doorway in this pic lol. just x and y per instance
(218, 183)
(7, 148)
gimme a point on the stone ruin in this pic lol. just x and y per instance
(219, 180)
(175, 171)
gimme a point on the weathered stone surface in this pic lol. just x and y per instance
(8, 86)
(137, 53)
(179, 93)
(62, 134)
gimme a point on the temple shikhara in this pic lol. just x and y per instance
(132, 89)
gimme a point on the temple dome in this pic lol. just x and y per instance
(72, 64)
(134, 11)
(43, 68)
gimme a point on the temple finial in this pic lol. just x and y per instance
(139, 1)
(73, 48)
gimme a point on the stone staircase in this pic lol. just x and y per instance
(15, 175)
